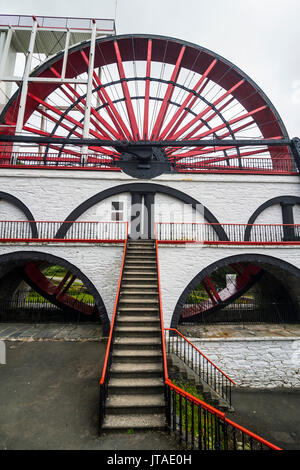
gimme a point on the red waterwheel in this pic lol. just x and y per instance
(247, 276)
(149, 89)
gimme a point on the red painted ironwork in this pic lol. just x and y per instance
(166, 99)
(39, 282)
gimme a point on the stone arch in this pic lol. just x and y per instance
(144, 188)
(19, 258)
(275, 200)
(263, 260)
(20, 205)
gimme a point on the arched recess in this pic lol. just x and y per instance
(144, 188)
(20, 205)
(258, 259)
(283, 200)
(20, 258)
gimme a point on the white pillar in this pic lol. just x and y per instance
(24, 84)
(87, 114)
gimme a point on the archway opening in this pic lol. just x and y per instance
(241, 291)
(38, 287)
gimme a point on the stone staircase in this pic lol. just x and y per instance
(181, 372)
(136, 387)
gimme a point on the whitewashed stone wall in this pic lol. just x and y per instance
(255, 362)
(52, 195)
(180, 264)
(101, 264)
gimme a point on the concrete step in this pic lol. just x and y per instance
(137, 422)
(137, 331)
(137, 342)
(140, 251)
(137, 302)
(132, 355)
(139, 294)
(132, 271)
(136, 385)
(139, 280)
(136, 369)
(133, 285)
(135, 404)
(133, 310)
(123, 320)
(140, 243)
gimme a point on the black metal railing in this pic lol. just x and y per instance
(74, 231)
(55, 160)
(203, 367)
(240, 311)
(202, 427)
(280, 164)
(227, 233)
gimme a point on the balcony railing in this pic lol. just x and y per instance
(255, 165)
(95, 232)
(258, 165)
(169, 232)
(57, 231)
(26, 21)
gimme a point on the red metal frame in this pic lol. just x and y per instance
(109, 125)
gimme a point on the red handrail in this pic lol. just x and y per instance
(114, 313)
(203, 355)
(160, 311)
(190, 397)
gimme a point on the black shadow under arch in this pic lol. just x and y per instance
(247, 258)
(19, 258)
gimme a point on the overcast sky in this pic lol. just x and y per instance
(261, 37)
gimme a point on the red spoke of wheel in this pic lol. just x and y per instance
(129, 107)
(213, 289)
(147, 90)
(205, 111)
(67, 286)
(62, 283)
(77, 134)
(209, 118)
(168, 95)
(111, 109)
(66, 116)
(170, 152)
(228, 157)
(208, 290)
(200, 152)
(187, 102)
(232, 121)
(93, 111)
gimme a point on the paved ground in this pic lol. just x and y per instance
(235, 331)
(49, 398)
(50, 331)
(272, 414)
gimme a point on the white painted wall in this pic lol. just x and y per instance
(52, 195)
(100, 263)
(180, 264)
(255, 362)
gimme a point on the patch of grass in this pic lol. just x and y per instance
(197, 421)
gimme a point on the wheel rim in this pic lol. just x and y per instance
(152, 89)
